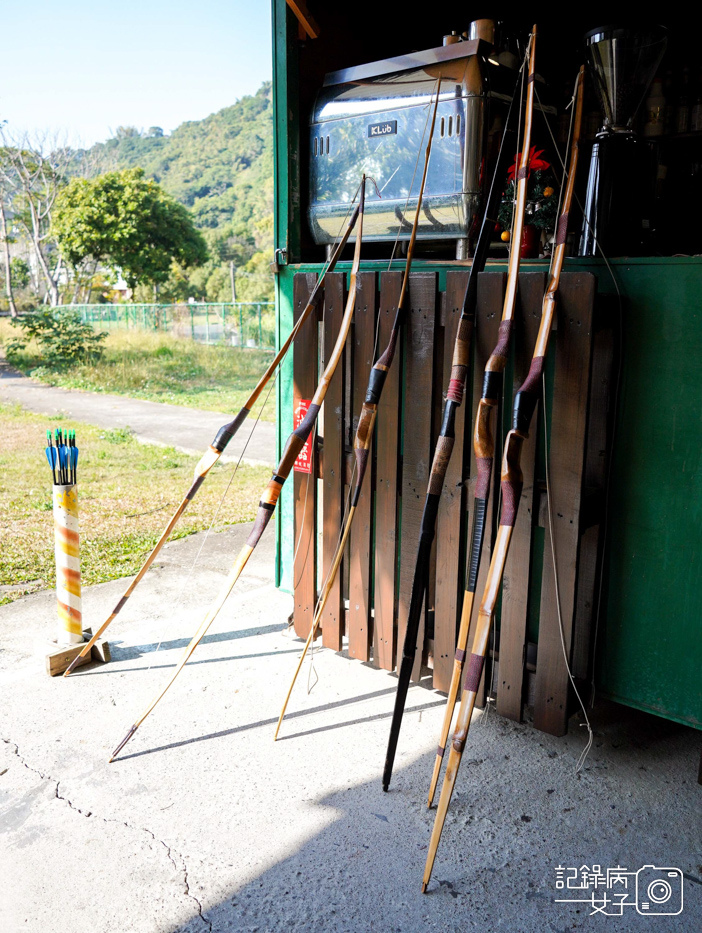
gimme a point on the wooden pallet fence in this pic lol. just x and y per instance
(370, 601)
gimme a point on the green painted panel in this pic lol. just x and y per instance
(651, 646)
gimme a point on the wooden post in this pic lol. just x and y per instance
(515, 586)
(567, 419)
(360, 538)
(334, 466)
(491, 292)
(386, 485)
(304, 491)
(449, 543)
(416, 455)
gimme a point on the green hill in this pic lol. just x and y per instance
(221, 169)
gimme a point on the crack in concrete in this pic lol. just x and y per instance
(183, 868)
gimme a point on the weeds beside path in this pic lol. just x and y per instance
(159, 368)
(127, 492)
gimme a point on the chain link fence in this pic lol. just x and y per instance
(239, 324)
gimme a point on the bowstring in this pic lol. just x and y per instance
(586, 750)
(561, 630)
(178, 601)
(608, 479)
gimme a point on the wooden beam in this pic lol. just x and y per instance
(302, 14)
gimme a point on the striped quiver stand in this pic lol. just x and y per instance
(67, 547)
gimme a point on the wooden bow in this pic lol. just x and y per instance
(366, 421)
(511, 486)
(483, 439)
(216, 448)
(268, 502)
(454, 398)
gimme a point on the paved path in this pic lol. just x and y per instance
(186, 429)
(205, 824)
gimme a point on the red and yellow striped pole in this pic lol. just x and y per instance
(67, 548)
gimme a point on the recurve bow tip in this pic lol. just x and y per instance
(122, 744)
(424, 887)
(71, 667)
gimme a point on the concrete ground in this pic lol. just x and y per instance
(205, 824)
(186, 429)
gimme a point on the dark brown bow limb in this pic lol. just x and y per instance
(511, 487)
(454, 399)
(271, 494)
(366, 421)
(216, 448)
(483, 439)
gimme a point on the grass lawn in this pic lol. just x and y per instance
(160, 368)
(127, 492)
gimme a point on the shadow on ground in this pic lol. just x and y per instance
(519, 811)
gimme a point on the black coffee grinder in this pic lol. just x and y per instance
(622, 64)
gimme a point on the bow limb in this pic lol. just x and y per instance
(483, 438)
(216, 448)
(271, 494)
(366, 421)
(454, 398)
(511, 486)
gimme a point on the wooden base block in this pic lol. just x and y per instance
(100, 651)
(60, 656)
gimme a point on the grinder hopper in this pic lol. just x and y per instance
(622, 63)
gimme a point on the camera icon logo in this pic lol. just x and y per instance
(659, 891)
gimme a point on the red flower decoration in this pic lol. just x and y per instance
(535, 163)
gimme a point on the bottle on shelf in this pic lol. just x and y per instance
(655, 110)
(682, 109)
(669, 94)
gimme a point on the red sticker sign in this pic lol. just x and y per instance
(303, 464)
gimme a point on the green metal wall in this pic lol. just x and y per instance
(650, 650)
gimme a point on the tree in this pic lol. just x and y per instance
(32, 172)
(128, 222)
(127, 132)
(6, 258)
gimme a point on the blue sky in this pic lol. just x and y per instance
(86, 66)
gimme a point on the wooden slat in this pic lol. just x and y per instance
(304, 484)
(387, 443)
(491, 291)
(515, 587)
(418, 378)
(359, 620)
(567, 419)
(333, 482)
(594, 483)
(449, 567)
